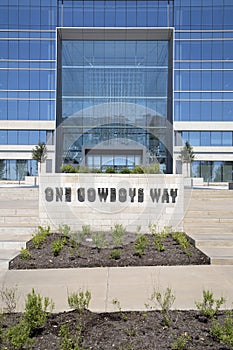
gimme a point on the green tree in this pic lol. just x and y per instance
(39, 153)
(187, 156)
(186, 153)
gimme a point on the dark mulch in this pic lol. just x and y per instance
(87, 255)
(125, 331)
(120, 331)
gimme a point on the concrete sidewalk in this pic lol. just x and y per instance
(132, 286)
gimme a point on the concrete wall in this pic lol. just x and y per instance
(102, 200)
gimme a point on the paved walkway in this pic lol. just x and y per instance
(132, 286)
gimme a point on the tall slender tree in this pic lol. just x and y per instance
(187, 156)
(39, 153)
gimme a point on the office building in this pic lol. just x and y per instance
(121, 83)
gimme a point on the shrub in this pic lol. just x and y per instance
(83, 169)
(118, 233)
(25, 254)
(99, 241)
(224, 332)
(138, 169)
(181, 343)
(36, 310)
(125, 171)
(117, 304)
(158, 237)
(165, 301)
(68, 341)
(152, 169)
(110, 170)
(86, 230)
(19, 335)
(79, 301)
(140, 245)
(209, 306)
(9, 299)
(96, 171)
(115, 254)
(58, 245)
(158, 242)
(39, 238)
(69, 168)
(181, 239)
(77, 237)
(64, 230)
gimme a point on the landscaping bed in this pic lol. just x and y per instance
(81, 329)
(114, 248)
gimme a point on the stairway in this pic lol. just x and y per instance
(19, 217)
(209, 223)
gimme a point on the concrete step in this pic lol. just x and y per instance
(212, 240)
(9, 212)
(209, 213)
(17, 230)
(6, 255)
(207, 221)
(219, 256)
(14, 241)
(217, 228)
(19, 193)
(197, 193)
(26, 221)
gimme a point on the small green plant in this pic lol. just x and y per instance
(78, 237)
(99, 241)
(146, 169)
(25, 254)
(164, 301)
(68, 341)
(83, 169)
(117, 304)
(181, 239)
(209, 306)
(9, 299)
(138, 169)
(152, 169)
(158, 242)
(86, 230)
(224, 332)
(140, 245)
(181, 343)
(79, 301)
(110, 170)
(19, 335)
(64, 230)
(115, 254)
(125, 171)
(166, 231)
(69, 168)
(58, 245)
(39, 238)
(36, 310)
(118, 233)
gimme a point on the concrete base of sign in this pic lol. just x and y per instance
(103, 200)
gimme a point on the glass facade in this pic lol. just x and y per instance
(203, 60)
(207, 138)
(203, 72)
(114, 93)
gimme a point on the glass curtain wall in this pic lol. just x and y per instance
(203, 60)
(27, 76)
(114, 97)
